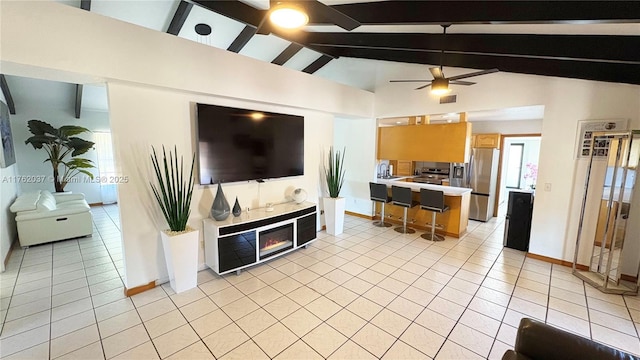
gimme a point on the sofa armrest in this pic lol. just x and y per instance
(68, 197)
(538, 340)
(512, 355)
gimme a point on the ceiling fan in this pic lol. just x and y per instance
(440, 83)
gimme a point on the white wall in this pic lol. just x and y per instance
(152, 79)
(144, 117)
(566, 101)
(8, 193)
(507, 127)
(40, 105)
(357, 135)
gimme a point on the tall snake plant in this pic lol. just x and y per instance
(334, 172)
(172, 192)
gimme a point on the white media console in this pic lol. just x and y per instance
(258, 235)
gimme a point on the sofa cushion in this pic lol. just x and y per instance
(46, 202)
(25, 202)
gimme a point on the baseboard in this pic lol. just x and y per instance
(6, 259)
(625, 277)
(139, 289)
(324, 227)
(96, 204)
(557, 261)
(359, 215)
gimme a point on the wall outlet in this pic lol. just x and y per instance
(547, 186)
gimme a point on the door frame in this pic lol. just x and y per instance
(497, 200)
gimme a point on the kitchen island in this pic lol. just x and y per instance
(454, 222)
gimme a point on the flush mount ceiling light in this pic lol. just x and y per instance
(440, 86)
(288, 16)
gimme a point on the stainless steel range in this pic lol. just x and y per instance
(432, 176)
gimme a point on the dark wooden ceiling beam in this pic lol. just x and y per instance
(490, 12)
(598, 71)
(85, 5)
(242, 39)
(7, 94)
(78, 100)
(318, 64)
(235, 10)
(598, 47)
(179, 17)
(287, 54)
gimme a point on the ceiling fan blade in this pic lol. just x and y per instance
(316, 8)
(424, 86)
(436, 72)
(409, 80)
(477, 73)
(460, 82)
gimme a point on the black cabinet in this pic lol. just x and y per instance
(237, 250)
(518, 220)
(306, 229)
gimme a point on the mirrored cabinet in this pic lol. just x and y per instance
(607, 254)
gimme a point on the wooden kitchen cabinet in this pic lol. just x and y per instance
(487, 141)
(436, 142)
(404, 168)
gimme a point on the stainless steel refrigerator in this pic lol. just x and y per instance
(483, 177)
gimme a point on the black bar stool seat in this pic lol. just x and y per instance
(432, 200)
(401, 196)
(378, 193)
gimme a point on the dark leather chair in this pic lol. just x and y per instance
(379, 193)
(537, 340)
(401, 196)
(432, 200)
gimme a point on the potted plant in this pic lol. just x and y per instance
(60, 143)
(180, 242)
(334, 204)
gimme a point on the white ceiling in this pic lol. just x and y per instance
(361, 73)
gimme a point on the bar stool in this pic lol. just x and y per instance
(432, 200)
(379, 194)
(401, 196)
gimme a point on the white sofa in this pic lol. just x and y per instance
(44, 217)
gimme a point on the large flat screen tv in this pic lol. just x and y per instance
(240, 144)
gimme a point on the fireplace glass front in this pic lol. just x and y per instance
(276, 240)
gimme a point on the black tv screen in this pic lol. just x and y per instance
(240, 144)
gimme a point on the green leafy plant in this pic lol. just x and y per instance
(334, 172)
(172, 192)
(60, 143)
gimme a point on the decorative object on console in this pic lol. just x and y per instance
(59, 143)
(237, 210)
(334, 205)
(180, 242)
(220, 209)
(299, 195)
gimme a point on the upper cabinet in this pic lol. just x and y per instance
(487, 141)
(437, 142)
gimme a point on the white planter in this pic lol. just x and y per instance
(334, 214)
(181, 255)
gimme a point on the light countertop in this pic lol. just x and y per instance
(400, 181)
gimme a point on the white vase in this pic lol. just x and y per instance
(181, 255)
(334, 214)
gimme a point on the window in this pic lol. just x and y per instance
(106, 167)
(514, 166)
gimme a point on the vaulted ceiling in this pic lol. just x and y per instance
(593, 40)
(366, 44)
(390, 30)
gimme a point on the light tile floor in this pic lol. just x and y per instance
(368, 293)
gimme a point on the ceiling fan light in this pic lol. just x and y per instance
(288, 17)
(440, 86)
